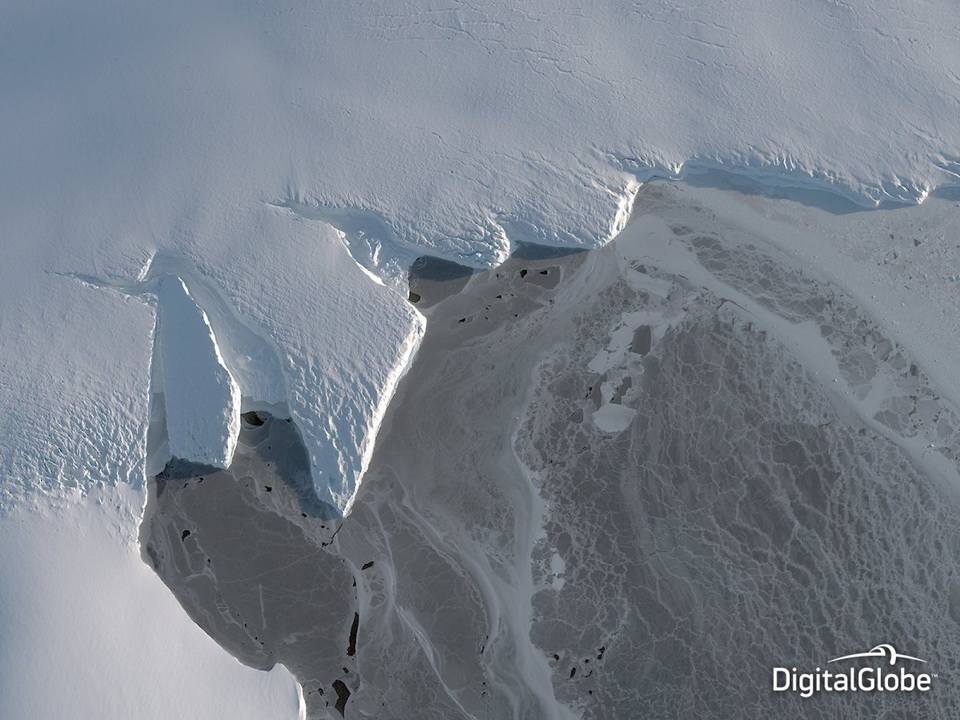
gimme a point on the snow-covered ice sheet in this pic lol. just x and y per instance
(89, 631)
(201, 398)
(451, 129)
(233, 136)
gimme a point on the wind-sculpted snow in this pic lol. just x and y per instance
(201, 399)
(74, 397)
(529, 123)
(454, 130)
(333, 394)
(251, 139)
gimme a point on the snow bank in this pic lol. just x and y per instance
(201, 399)
(342, 339)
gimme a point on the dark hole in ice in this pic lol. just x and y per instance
(252, 418)
(343, 694)
(547, 278)
(642, 340)
(413, 297)
(352, 645)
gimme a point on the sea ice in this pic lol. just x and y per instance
(226, 132)
(613, 418)
(90, 632)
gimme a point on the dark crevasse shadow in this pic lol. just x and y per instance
(947, 193)
(829, 201)
(279, 445)
(432, 279)
(534, 251)
(280, 451)
(427, 267)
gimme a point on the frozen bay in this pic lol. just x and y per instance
(631, 478)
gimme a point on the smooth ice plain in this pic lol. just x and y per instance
(615, 483)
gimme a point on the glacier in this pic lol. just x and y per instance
(451, 130)
(201, 398)
(300, 157)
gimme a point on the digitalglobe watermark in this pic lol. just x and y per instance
(888, 676)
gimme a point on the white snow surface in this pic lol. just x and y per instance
(232, 135)
(201, 398)
(450, 128)
(90, 631)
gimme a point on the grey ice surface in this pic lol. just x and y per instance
(514, 557)
(244, 551)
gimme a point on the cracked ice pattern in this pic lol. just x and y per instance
(747, 517)
(622, 483)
